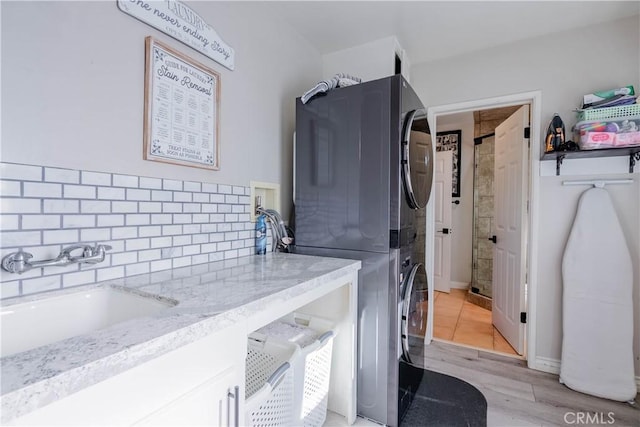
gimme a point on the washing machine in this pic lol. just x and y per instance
(363, 170)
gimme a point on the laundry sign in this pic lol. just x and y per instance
(178, 20)
(182, 104)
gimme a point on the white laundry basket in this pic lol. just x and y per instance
(311, 368)
(269, 382)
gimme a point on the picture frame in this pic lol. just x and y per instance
(181, 109)
(452, 141)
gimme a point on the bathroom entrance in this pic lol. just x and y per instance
(483, 223)
(471, 309)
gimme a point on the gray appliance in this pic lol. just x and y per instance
(363, 167)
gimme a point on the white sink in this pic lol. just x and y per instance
(25, 326)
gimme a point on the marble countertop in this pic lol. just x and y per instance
(210, 297)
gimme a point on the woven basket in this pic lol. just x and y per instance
(623, 111)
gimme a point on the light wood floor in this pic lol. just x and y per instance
(516, 395)
(519, 396)
(459, 321)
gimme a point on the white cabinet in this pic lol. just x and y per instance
(212, 403)
(203, 382)
(189, 385)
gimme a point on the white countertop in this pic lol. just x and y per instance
(210, 297)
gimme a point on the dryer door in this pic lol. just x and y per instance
(414, 312)
(417, 159)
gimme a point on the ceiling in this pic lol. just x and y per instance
(431, 30)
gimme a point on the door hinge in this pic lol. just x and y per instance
(527, 132)
(523, 317)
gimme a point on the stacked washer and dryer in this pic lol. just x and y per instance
(363, 170)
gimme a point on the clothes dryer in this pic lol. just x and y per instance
(364, 166)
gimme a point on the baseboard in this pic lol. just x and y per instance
(552, 366)
(458, 285)
(546, 364)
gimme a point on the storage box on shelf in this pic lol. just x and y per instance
(604, 132)
(609, 112)
(312, 366)
(607, 133)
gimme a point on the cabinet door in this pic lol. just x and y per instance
(212, 403)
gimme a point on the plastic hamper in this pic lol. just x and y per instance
(269, 383)
(311, 368)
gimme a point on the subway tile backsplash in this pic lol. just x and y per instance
(152, 223)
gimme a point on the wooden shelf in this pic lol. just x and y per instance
(559, 156)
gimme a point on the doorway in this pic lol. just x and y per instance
(453, 304)
(459, 321)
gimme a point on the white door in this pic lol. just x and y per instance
(510, 214)
(442, 242)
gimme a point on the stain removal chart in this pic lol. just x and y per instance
(181, 109)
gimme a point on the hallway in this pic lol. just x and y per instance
(462, 322)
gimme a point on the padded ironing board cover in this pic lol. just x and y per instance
(597, 318)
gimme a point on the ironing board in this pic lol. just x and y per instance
(597, 321)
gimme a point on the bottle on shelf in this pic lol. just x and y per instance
(261, 235)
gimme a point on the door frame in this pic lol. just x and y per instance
(534, 99)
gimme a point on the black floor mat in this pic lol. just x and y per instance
(443, 400)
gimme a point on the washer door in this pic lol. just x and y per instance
(413, 327)
(417, 159)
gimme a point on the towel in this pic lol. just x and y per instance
(339, 80)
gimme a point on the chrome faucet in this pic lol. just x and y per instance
(90, 255)
(87, 250)
(18, 262)
(281, 239)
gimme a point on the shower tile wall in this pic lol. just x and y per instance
(483, 214)
(152, 224)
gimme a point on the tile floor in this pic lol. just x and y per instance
(462, 322)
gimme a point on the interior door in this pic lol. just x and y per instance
(442, 204)
(509, 255)
(417, 160)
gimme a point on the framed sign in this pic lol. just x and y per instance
(452, 141)
(179, 21)
(181, 109)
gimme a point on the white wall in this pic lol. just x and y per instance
(564, 66)
(73, 97)
(559, 204)
(462, 214)
(369, 61)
